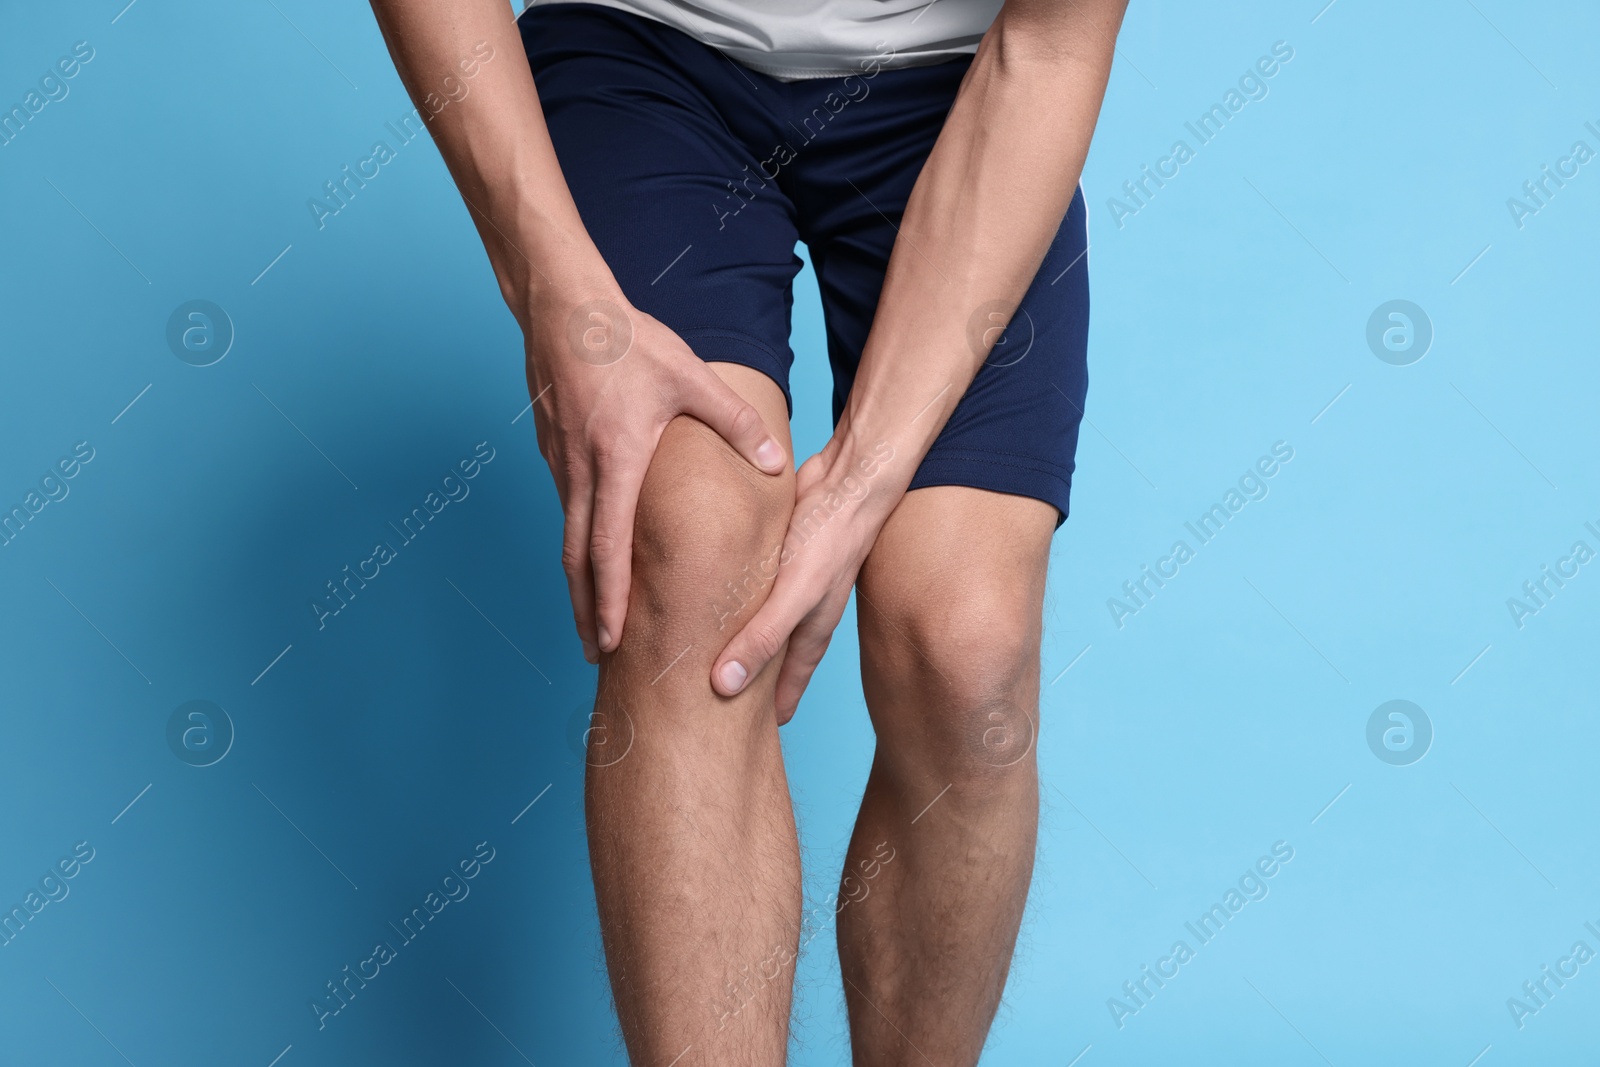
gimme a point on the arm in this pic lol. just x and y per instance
(981, 217)
(979, 221)
(492, 136)
(599, 415)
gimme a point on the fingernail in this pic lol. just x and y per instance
(733, 676)
(605, 637)
(590, 653)
(770, 455)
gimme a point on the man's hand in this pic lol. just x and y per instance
(606, 379)
(843, 496)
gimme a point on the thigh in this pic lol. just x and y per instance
(649, 127)
(1015, 429)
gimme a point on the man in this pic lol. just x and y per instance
(640, 209)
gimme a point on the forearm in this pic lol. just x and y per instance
(462, 63)
(979, 221)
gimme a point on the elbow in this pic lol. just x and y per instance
(1032, 38)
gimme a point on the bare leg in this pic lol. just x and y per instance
(936, 876)
(691, 831)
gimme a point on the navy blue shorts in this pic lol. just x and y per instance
(696, 176)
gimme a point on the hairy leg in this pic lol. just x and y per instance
(949, 606)
(691, 832)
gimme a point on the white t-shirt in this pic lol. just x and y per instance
(794, 39)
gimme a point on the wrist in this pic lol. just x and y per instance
(544, 295)
(889, 444)
(871, 471)
(543, 261)
(893, 403)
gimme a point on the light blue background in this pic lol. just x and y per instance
(1223, 717)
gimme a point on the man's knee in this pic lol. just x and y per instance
(707, 535)
(956, 674)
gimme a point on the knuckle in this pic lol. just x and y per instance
(808, 658)
(745, 420)
(604, 548)
(618, 454)
(565, 448)
(766, 638)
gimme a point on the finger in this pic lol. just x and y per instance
(761, 640)
(575, 562)
(806, 647)
(799, 663)
(710, 399)
(616, 499)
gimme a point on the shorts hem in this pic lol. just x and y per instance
(716, 345)
(1000, 474)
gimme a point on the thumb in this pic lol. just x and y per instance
(760, 642)
(712, 401)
